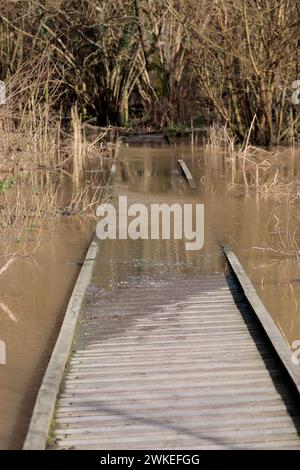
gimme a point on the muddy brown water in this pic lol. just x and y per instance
(34, 295)
(243, 221)
(36, 290)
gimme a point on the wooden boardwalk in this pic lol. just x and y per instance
(183, 365)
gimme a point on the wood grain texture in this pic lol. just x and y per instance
(179, 366)
(281, 347)
(39, 426)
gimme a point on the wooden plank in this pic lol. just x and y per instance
(145, 138)
(39, 426)
(278, 342)
(174, 377)
(187, 173)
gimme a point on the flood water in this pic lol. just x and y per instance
(34, 295)
(35, 291)
(244, 221)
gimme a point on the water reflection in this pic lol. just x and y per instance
(36, 291)
(232, 215)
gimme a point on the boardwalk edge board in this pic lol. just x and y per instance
(279, 343)
(215, 404)
(187, 173)
(37, 435)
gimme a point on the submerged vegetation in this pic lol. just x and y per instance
(75, 76)
(76, 70)
(49, 168)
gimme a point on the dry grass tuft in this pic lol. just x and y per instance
(47, 170)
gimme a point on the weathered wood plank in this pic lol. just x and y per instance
(280, 345)
(187, 173)
(189, 374)
(39, 426)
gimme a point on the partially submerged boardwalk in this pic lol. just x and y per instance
(184, 365)
(166, 357)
